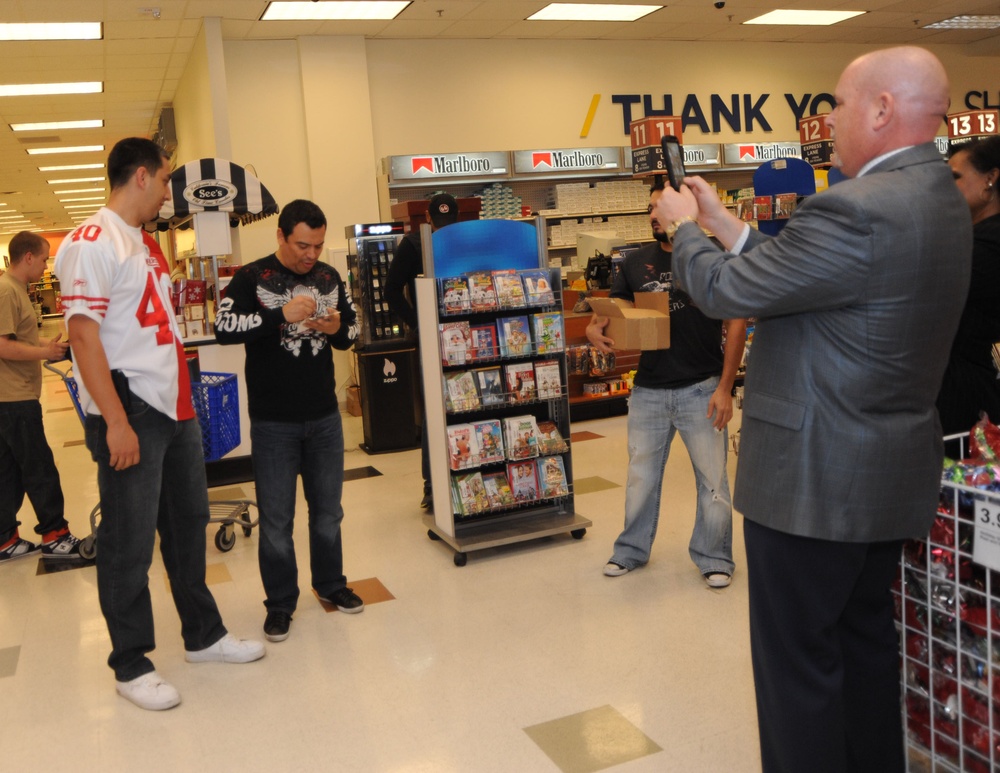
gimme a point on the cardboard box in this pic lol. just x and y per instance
(354, 400)
(643, 325)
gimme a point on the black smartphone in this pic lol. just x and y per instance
(673, 158)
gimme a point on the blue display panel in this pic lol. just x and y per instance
(484, 245)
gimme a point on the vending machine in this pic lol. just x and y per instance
(370, 250)
(387, 358)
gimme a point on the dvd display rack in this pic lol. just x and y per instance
(494, 368)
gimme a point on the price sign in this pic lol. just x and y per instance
(816, 140)
(646, 133)
(986, 548)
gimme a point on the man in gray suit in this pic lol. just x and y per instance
(858, 300)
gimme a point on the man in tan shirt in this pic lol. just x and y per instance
(26, 463)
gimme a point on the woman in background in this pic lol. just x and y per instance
(970, 383)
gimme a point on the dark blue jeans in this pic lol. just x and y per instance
(27, 467)
(165, 492)
(281, 451)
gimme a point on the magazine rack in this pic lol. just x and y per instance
(449, 254)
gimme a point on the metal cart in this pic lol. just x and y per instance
(215, 401)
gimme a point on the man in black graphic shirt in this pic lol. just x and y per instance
(686, 388)
(289, 310)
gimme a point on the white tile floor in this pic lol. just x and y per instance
(461, 671)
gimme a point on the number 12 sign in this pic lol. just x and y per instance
(816, 140)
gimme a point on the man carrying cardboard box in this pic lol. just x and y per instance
(686, 388)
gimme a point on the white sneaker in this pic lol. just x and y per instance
(228, 649)
(718, 579)
(611, 569)
(149, 691)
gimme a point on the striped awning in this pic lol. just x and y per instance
(217, 185)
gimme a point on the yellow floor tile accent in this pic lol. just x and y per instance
(591, 740)
(592, 484)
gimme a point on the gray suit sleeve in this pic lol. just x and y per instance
(819, 261)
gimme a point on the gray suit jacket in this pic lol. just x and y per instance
(858, 300)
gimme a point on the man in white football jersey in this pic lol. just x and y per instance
(141, 427)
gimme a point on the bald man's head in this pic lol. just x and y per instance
(887, 99)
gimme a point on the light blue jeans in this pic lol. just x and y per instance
(654, 417)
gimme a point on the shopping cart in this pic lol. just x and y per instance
(216, 404)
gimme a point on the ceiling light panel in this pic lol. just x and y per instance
(73, 180)
(47, 89)
(592, 12)
(805, 18)
(96, 123)
(69, 167)
(73, 149)
(334, 10)
(52, 31)
(966, 23)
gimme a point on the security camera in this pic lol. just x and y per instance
(720, 5)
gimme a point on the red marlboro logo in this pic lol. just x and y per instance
(537, 159)
(748, 151)
(423, 164)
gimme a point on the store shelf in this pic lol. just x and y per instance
(454, 522)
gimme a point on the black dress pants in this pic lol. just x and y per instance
(825, 653)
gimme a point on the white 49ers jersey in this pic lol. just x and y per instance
(116, 275)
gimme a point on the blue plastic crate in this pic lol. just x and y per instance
(217, 403)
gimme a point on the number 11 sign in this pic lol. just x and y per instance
(646, 133)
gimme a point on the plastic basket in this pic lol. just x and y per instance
(217, 403)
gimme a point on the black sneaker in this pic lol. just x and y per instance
(276, 625)
(61, 548)
(18, 549)
(345, 600)
(427, 503)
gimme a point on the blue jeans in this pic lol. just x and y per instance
(165, 492)
(654, 416)
(27, 467)
(281, 451)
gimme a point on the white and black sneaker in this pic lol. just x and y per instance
(63, 547)
(18, 548)
(611, 569)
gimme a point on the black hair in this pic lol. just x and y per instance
(300, 211)
(984, 153)
(657, 185)
(23, 243)
(131, 153)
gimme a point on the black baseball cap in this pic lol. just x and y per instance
(443, 209)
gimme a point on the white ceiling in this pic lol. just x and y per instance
(141, 57)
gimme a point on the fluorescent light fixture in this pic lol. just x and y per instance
(12, 217)
(334, 10)
(48, 89)
(85, 30)
(966, 23)
(82, 206)
(805, 18)
(70, 180)
(79, 190)
(71, 149)
(592, 12)
(85, 198)
(69, 167)
(50, 125)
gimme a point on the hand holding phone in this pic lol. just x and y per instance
(673, 159)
